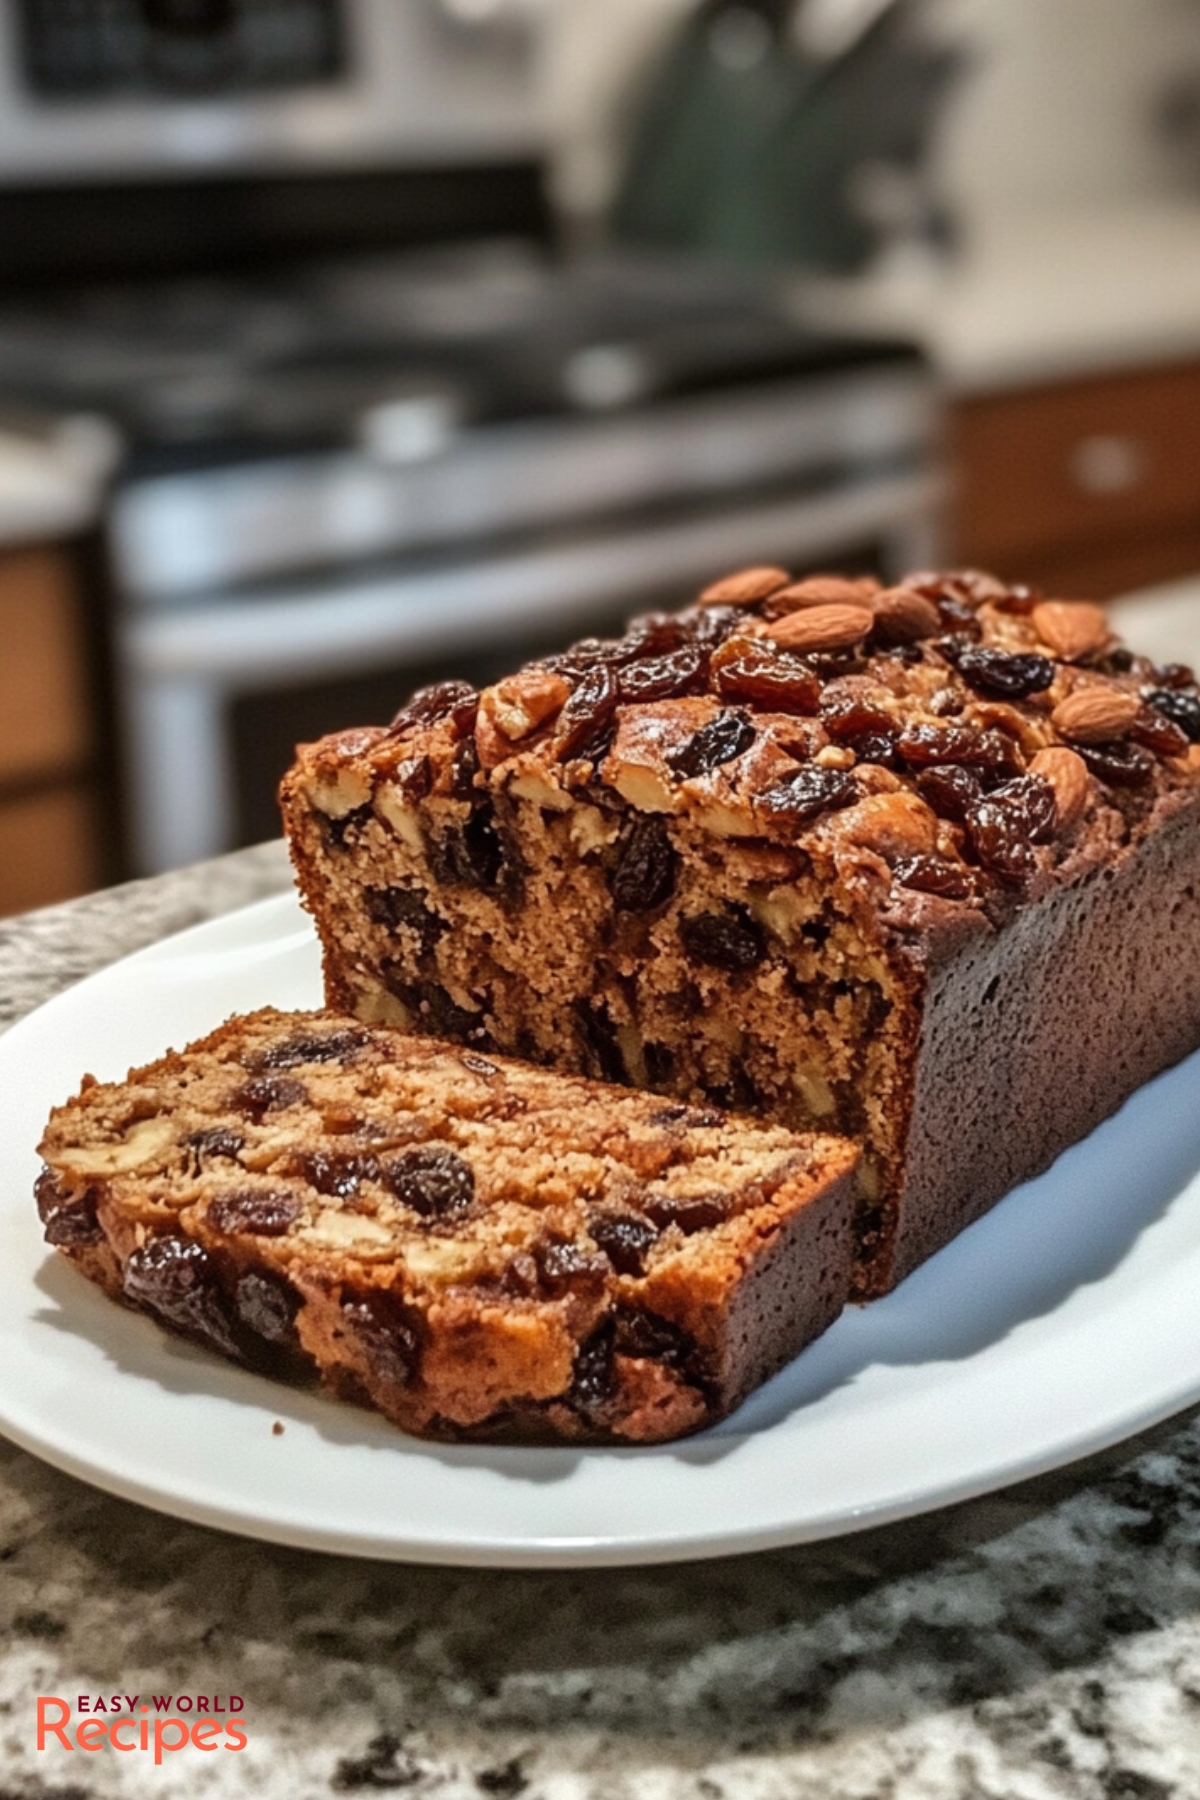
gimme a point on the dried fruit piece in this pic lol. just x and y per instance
(434, 1180)
(847, 716)
(949, 790)
(746, 668)
(1180, 705)
(1072, 629)
(177, 1279)
(264, 1212)
(808, 794)
(690, 1212)
(716, 743)
(408, 907)
(626, 1239)
(218, 1141)
(1013, 675)
(744, 587)
(833, 627)
(644, 874)
(267, 1093)
(935, 875)
(315, 1047)
(1095, 715)
(387, 1344)
(268, 1308)
(588, 711)
(662, 677)
(730, 940)
(1119, 764)
(1005, 824)
(902, 616)
(67, 1218)
(443, 699)
(1156, 732)
(1067, 774)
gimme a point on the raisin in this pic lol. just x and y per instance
(267, 1307)
(337, 831)
(1120, 764)
(805, 796)
(648, 1334)
(464, 767)
(1004, 824)
(218, 1141)
(338, 1176)
(878, 747)
(625, 1238)
(1175, 675)
(263, 1213)
(662, 677)
(847, 716)
(470, 854)
(438, 702)
(709, 626)
(730, 940)
(750, 669)
(1155, 731)
(562, 1265)
(176, 1279)
(718, 742)
(314, 1047)
(593, 1375)
(588, 710)
(434, 1180)
(1013, 675)
(414, 777)
(935, 875)
(955, 614)
(656, 634)
(949, 790)
(395, 907)
(267, 1093)
(691, 1212)
(388, 1345)
(600, 1042)
(692, 1118)
(644, 874)
(1117, 661)
(1179, 706)
(924, 745)
(67, 1220)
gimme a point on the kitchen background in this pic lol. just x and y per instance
(348, 343)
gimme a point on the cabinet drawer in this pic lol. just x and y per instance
(48, 849)
(1088, 459)
(43, 696)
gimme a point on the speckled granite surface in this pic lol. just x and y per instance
(1040, 1644)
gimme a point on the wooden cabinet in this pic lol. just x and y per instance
(1086, 488)
(51, 841)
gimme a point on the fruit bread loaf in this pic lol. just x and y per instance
(477, 1249)
(917, 864)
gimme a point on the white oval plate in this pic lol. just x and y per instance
(1060, 1323)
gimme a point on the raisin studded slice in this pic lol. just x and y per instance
(434, 1180)
(437, 702)
(662, 677)
(268, 1307)
(176, 1279)
(262, 1212)
(1005, 824)
(935, 875)
(718, 742)
(67, 1219)
(588, 710)
(1013, 675)
(315, 1047)
(388, 1345)
(1120, 764)
(805, 796)
(949, 790)
(752, 669)
(643, 876)
(1178, 705)
(732, 940)
(267, 1093)
(626, 1238)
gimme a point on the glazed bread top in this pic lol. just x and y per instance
(947, 749)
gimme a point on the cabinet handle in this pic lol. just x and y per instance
(1107, 464)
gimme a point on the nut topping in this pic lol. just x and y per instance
(1067, 774)
(822, 590)
(745, 587)
(1095, 715)
(1071, 628)
(902, 616)
(521, 703)
(825, 627)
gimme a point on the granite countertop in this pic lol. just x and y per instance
(1042, 1643)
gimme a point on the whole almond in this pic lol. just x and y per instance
(902, 616)
(823, 590)
(893, 825)
(833, 627)
(744, 587)
(1071, 628)
(1095, 715)
(1068, 776)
